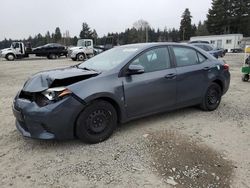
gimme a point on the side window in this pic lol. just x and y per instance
(185, 56)
(201, 57)
(154, 60)
(209, 48)
(88, 43)
(205, 48)
(16, 45)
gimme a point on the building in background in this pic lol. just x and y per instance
(230, 42)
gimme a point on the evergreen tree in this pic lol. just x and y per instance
(241, 16)
(86, 33)
(57, 35)
(186, 28)
(218, 18)
(202, 29)
(48, 37)
(74, 41)
(229, 16)
(94, 36)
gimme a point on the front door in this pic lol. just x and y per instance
(89, 47)
(155, 89)
(17, 48)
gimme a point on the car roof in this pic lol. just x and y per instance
(142, 46)
(205, 44)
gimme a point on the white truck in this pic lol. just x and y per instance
(83, 50)
(18, 50)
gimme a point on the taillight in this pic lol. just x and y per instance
(226, 66)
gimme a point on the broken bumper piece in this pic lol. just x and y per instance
(54, 121)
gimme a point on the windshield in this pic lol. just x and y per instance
(80, 43)
(109, 59)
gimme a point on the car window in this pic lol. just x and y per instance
(16, 45)
(185, 56)
(88, 43)
(203, 47)
(154, 60)
(201, 57)
(210, 48)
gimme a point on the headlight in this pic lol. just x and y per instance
(56, 93)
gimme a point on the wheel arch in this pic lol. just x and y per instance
(83, 53)
(112, 101)
(10, 53)
(220, 83)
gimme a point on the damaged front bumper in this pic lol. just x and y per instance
(53, 121)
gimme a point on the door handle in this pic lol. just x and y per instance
(170, 76)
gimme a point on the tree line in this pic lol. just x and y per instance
(224, 17)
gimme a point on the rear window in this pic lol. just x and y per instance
(185, 56)
(201, 57)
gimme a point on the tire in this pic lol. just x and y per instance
(245, 78)
(52, 56)
(212, 98)
(96, 122)
(80, 57)
(10, 57)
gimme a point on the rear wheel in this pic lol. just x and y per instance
(97, 122)
(212, 98)
(10, 57)
(52, 56)
(80, 57)
(245, 78)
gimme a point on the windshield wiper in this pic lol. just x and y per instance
(88, 69)
(77, 65)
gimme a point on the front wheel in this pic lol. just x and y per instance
(212, 98)
(52, 56)
(10, 57)
(80, 57)
(97, 122)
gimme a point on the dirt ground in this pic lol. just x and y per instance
(184, 148)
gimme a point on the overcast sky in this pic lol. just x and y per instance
(21, 18)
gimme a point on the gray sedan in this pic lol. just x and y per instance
(88, 100)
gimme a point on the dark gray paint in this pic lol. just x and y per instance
(133, 96)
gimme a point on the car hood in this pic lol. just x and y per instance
(75, 48)
(57, 78)
(38, 48)
(6, 49)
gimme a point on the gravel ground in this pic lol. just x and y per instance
(184, 148)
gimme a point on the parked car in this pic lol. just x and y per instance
(210, 49)
(198, 41)
(52, 50)
(88, 100)
(19, 50)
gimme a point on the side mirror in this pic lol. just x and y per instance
(135, 69)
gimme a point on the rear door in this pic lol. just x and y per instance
(192, 78)
(155, 89)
